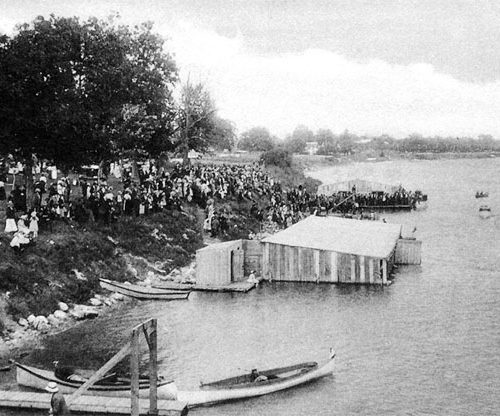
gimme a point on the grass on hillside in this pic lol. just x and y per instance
(43, 274)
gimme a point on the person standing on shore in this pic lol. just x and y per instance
(10, 221)
(58, 405)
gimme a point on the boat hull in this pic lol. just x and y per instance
(38, 379)
(213, 396)
(143, 293)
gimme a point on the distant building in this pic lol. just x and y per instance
(312, 148)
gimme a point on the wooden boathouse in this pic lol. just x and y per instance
(335, 250)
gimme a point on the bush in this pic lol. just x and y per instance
(277, 157)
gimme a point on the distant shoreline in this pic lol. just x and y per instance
(315, 162)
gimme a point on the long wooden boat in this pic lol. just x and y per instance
(142, 292)
(36, 378)
(247, 385)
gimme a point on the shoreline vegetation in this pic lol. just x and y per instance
(55, 284)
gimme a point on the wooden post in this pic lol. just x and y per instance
(361, 269)
(370, 271)
(153, 367)
(316, 266)
(134, 373)
(333, 267)
(384, 272)
(265, 263)
(353, 268)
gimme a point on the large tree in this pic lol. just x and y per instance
(197, 121)
(296, 142)
(257, 139)
(74, 92)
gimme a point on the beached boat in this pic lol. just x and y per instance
(36, 378)
(256, 383)
(142, 292)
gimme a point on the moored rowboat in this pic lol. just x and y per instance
(142, 292)
(246, 385)
(36, 378)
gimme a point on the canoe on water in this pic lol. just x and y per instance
(36, 378)
(248, 385)
(142, 292)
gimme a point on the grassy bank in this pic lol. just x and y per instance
(66, 264)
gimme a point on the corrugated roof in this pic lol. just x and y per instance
(360, 237)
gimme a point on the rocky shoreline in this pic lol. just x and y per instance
(28, 333)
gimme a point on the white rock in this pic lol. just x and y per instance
(95, 302)
(117, 296)
(40, 322)
(31, 318)
(23, 322)
(63, 306)
(59, 314)
(43, 327)
(84, 312)
(52, 319)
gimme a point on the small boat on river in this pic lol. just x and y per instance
(143, 292)
(256, 383)
(38, 379)
(484, 211)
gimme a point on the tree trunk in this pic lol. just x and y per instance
(101, 173)
(29, 182)
(135, 167)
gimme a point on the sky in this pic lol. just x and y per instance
(368, 66)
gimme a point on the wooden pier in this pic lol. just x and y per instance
(89, 404)
(242, 286)
(80, 402)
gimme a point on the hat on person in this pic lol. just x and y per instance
(52, 387)
(24, 217)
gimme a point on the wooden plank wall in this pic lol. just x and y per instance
(300, 264)
(408, 251)
(213, 264)
(253, 254)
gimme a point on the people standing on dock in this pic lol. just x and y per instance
(252, 278)
(58, 404)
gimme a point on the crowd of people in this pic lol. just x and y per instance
(87, 199)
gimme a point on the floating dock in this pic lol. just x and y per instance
(89, 404)
(386, 207)
(242, 286)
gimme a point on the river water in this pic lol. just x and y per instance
(429, 344)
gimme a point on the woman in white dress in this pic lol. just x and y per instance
(34, 224)
(10, 221)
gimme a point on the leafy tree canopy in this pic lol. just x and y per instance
(77, 92)
(256, 139)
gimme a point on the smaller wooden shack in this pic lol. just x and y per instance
(332, 249)
(220, 264)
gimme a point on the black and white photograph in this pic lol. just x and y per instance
(250, 208)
